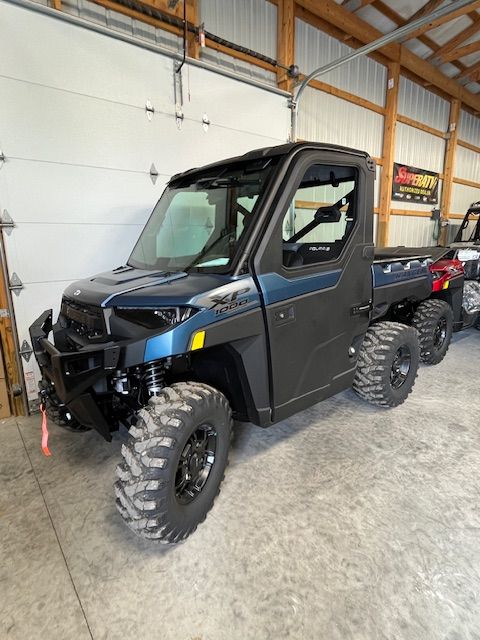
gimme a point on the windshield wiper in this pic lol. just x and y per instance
(207, 249)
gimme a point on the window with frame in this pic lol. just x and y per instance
(321, 216)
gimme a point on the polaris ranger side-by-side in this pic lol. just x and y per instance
(252, 293)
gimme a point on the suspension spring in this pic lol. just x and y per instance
(154, 377)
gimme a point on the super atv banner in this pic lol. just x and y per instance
(414, 185)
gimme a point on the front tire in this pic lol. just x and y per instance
(387, 364)
(174, 461)
(433, 321)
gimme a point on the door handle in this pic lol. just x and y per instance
(357, 309)
(284, 315)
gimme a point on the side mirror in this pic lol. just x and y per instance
(328, 214)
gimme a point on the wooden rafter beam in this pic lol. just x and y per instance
(457, 40)
(437, 22)
(329, 11)
(470, 72)
(310, 18)
(350, 23)
(455, 54)
(427, 8)
(396, 18)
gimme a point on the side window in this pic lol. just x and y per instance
(321, 216)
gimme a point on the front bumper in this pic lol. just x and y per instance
(73, 374)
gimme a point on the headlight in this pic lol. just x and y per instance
(155, 318)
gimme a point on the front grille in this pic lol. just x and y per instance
(86, 320)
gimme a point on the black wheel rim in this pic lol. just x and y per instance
(400, 366)
(195, 463)
(440, 334)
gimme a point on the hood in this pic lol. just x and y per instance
(130, 287)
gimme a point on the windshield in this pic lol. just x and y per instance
(200, 220)
(469, 230)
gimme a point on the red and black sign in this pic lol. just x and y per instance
(411, 184)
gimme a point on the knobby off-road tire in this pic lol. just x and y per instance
(387, 364)
(154, 494)
(433, 321)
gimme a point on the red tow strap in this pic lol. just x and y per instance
(45, 448)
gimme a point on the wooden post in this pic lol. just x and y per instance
(449, 168)
(193, 45)
(13, 375)
(285, 41)
(388, 154)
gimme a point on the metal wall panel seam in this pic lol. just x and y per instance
(86, 166)
(85, 95)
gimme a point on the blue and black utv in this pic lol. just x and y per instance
(252, 293)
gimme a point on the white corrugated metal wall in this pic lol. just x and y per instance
(250, 23)
(419, 149)
(467, 163)
(79, 146)
(327, 118)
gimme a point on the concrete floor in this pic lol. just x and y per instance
(344, 522)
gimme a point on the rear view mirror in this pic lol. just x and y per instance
(328, 214)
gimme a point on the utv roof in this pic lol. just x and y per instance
(474, 208)
(278, 150)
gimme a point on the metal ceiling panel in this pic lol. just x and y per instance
(376, 19)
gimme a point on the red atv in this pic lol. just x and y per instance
(458, 270)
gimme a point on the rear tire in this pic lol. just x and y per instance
(433, 321)
(387, 364)
(174, 462)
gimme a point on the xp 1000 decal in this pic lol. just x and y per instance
(229, 301)
(234, 296)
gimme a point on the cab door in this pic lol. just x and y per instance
(313, 268)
